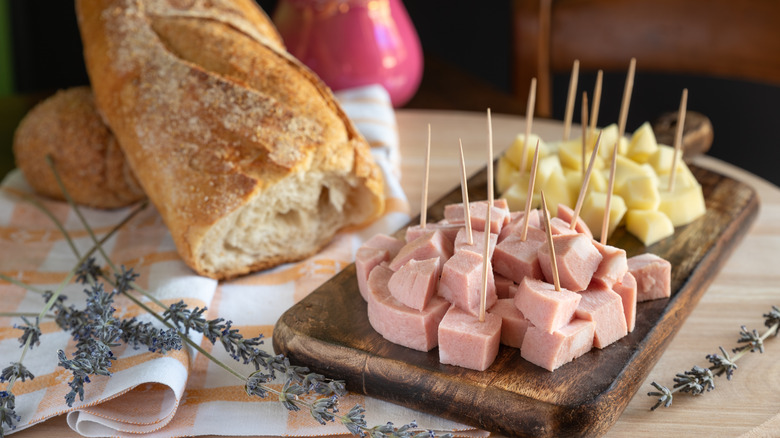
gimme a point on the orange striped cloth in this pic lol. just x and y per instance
(181, 393)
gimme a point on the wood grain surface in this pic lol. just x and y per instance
(329, 331)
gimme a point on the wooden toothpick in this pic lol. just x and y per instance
(490, 160)
(529, 197)
(575, 71)
(553, 261)
(529, 120)
(424, 202)
(584, 128)
(621, 131)
(465, 193)
(585, 182)
(486, 256)
(594, 111)
(678, 136)
(485, 259)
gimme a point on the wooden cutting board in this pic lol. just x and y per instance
(329, 332)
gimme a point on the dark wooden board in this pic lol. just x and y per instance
(329, 332)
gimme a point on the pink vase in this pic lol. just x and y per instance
(350, 43)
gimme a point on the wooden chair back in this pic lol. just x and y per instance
(736, 39)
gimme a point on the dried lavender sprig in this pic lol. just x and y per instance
(8, 415)
(699, 380)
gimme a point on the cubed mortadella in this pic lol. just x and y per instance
(576, 257)
(626, 288)
(551, 350)
(605, 308)
(517, 259)
(466, 341)
(653, 276)
(398, 323)
(513, 325)
(416, 282)
(613, 266)
(427, 246)
(499, 215)
(461, 282)
(546, 308)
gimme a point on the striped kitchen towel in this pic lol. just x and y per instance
(180, 393)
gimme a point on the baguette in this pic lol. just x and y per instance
(243, 150)
(92, 167)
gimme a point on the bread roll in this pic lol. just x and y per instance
(246, 153)
(85, 152)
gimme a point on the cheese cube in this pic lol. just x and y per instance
(593, 212)
(515, 151)
(506, 174)
(625, 168)
(643, 144)
(570, 155)
(649, 226)
(556, 191)
(517, 193)
(683, 205)
(640, 192)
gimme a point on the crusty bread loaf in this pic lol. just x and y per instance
(246, 153)
(93, 169)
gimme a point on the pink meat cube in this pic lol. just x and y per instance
(505, 288)
(513, 325)
(427, 246)
(478, 241)
(449, 230)
(627, 291)
(367, 259)
(551, 350)
(613, 266)
(653, 276)
(577, 260)
(383, 241)
(466, 342)
(461, 282)
(605, 308)
(544, 306)
(516, 259)
(558, 226)
(499, 215)
(415, 283)
(398, 323)
(566, 214)
(516, 223)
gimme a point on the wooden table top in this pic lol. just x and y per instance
(745, 289)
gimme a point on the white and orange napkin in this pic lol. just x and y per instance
(181, 393)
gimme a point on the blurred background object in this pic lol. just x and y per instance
(351, 43)
(477, 55)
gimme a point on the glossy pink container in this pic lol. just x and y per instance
(349, 43)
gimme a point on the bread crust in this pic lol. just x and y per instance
(212, 113)
(67, 127)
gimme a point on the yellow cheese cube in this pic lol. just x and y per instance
(642, 144)
(593, 212)
(570, 155)
(625, 168)
(556, 191)
(609, 136)
(683, 205)
(682, 177)
(506, 174)
(649, 226)
(547, 166)
(517, 193)
(661, 159)
(515, 151)
(641, 192)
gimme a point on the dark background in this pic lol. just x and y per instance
(475, 41)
